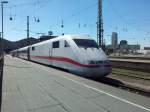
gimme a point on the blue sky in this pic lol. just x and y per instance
(130, 18)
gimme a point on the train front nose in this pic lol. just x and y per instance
(99, 70)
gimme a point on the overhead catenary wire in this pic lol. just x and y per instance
(123, 19)
(28, 3)
(23, 17)
(42, 3)
(24, 7)
(68, 19)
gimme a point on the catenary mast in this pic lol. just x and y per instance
(100, 25)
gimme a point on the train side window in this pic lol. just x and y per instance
(33, 48)
(66, 44)
(56, 44)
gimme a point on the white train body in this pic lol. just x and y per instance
(78, 54)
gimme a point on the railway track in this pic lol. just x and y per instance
(127, 57)
(131, 65)
(131, 74)
(136, 90)
(122, 85)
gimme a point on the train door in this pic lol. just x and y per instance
(50, 53)
(50, 50)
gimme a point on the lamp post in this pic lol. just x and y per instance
(0, 47)
(2, 33)
(2, 54)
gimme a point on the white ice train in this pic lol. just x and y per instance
(77, 54)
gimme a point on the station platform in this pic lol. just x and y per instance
(31, 87)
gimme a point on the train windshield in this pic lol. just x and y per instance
(86, 43)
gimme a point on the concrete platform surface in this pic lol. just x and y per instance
(30, 87)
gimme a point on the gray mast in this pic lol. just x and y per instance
(100, 25)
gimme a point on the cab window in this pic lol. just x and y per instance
(56, 44)
(86, 43)
(33, 48)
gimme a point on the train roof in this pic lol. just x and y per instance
(62, 37)
(57, 38)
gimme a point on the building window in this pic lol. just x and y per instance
(33, 48)
(66, 44)
(56, 44)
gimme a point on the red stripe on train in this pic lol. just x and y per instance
(68, 60)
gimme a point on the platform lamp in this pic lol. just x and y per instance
(2, 53)
(0, 47)
(2, 33)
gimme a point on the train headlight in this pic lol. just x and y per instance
(91, 62)
(97, 62)
(106, 61)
